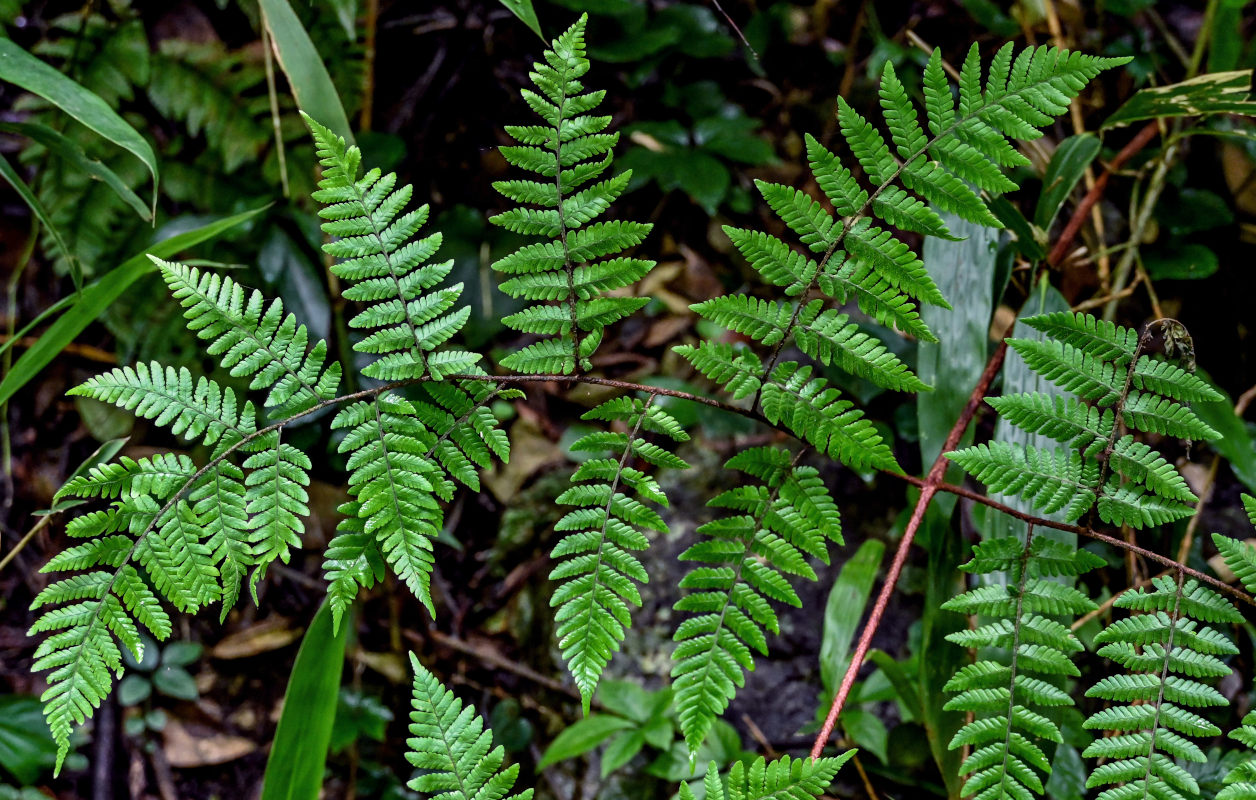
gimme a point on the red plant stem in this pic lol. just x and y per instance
(1075, 222)
(930, 487)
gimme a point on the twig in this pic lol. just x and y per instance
(863, 777)
(1075, 222)
(930, 487)
(1111, 601)
(25, 540)
(494, 659)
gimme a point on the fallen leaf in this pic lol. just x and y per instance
(261, 637)
(391, 665)
(197, 746)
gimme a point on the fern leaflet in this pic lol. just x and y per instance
(1036, 651)
(598, 567)
(565, 279)
(783, 518)
(450, 744)
(1167, 652)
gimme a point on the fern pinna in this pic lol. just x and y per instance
(1025, 653)
(1116, 385)
(785, 777)
(566, 279)
(781, 519)
(856, 259)
(188, 536)
(1168, 652)
(453, 749)
(606, 525)
(1240, 782)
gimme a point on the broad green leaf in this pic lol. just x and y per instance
(307, 75)
(294, 770)
(526, 13)
(10, 175)
(1215, 93)
(952, 365)
(581, 737)
(26, 746)
(21, 68)
(1068, 165)
(844, 610)
(98, 295)
(1236, 442)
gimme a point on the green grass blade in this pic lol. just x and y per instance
(21, 68)
(307, 75)
(98, 295)
(294, 770)
(41, 213)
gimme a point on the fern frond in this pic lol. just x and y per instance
(1101, 363)
(597, 568)
(396, 485)
(1001, 691)
(254, 340)
(782, 518)
(351, 562)
(1160, 645)
(570, 150)
(1052, 480)
(1102, 339)
(862, 260)
(275, 499)
(198, 410)
(812, 410)
(451, 746)
(219, 502)
(387, 267)
(795, 779)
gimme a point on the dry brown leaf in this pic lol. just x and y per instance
(261, 637)
(197, 746)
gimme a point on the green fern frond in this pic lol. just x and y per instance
(781, 520)
(453, 749)
(396, 484)
(597, 568)
(377, 252)
(275, 499)
(1052, 480)
(1126, 481)
(219, 502)
(1033, 650)
(781, 779)
(813, 410)
(737, 369)
(254, 340)
(563, 277)
(1161, 646)
(352, 561)
(962, 155)
(196, 410)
